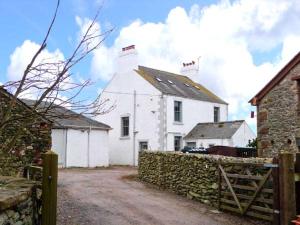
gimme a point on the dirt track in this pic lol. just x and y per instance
(112, 197)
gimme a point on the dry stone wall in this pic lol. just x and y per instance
(278, 124)
(18, 201)
(191, 175)
(34, 138)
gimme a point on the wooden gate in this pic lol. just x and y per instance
(249, 189)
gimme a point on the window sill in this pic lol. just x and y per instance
(124, 138)
(177, 123)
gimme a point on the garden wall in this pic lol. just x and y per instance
(18, 201)
(191, 175)
(33, 139)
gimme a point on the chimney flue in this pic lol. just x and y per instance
(190, 69)
(128, 59)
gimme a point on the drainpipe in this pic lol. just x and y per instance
(66, 147)
(134, 125)
(88, 150)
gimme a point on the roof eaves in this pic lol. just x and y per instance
(19, 101)
(276, 79)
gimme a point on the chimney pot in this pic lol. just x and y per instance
(190, 69)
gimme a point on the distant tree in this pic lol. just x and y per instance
(252, 143)
(52, 81)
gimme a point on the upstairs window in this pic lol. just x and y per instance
(125, 126)
(177, 111)
(216, 114)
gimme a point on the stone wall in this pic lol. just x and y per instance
(34, 138)
(19, 201)
(278, 118)
(191, 175)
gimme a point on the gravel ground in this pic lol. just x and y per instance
(113, 197)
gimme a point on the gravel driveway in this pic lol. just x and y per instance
(113, 197)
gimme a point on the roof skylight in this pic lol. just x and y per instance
(158, 79)
(170, 81)
(186, 84)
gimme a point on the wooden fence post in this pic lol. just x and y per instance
(287, 188)
(49, 188)
(297, 170)
(276, 192)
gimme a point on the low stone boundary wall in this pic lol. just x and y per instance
(192, 175)
(18, 201)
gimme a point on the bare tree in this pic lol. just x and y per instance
(51, 82)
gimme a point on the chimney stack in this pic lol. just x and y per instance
(128, 59)
(190, 69)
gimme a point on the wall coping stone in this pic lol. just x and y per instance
(14, 191)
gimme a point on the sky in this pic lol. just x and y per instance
(242, 44)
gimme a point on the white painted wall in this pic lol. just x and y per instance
(77, 143)
(59, 145)
(243, 135)
(99, 151)
(120, 91)
(193, 112)
(81, 148)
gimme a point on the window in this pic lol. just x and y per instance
(177, 111)
(191, 144)
(143, 145)
(125, 126)
(177, 143)
(216, 114)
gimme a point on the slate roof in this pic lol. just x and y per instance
(220, 130)
(23, 104)
(177, 85)
(65, 118)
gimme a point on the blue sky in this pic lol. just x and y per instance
(242, 43)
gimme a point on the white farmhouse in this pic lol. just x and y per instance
(230, 133)
(155, 109)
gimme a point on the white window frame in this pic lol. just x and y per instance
(219, 114)
(180, 112)
(122, 126)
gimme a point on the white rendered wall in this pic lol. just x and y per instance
(82, 148)
(206, 142)
(98, 148)
(120, 91)
(77, 143)
(59, 145)
(243, 135)
(193, 112)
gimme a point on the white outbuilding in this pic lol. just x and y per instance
(78, 140)
(229, 133)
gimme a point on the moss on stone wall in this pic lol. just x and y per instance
(18, 201)
(191, 175)
(34, 138)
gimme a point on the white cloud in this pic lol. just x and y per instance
(226, 35)
(22, 55)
